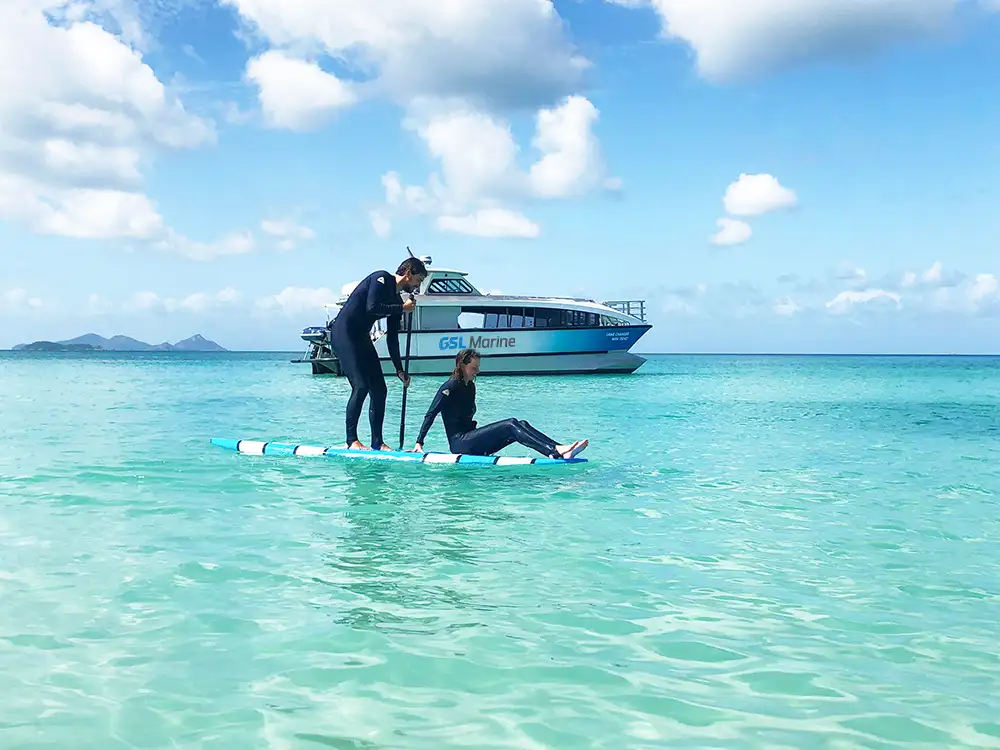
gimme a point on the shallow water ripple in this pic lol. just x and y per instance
(764, 552)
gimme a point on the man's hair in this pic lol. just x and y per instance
(461, 359)
(415, 266)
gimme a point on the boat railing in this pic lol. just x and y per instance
(633, 307)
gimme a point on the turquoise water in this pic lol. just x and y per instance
(762, 552)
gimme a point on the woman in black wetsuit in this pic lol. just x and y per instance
(456, 402)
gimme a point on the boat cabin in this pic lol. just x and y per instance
(448, 302)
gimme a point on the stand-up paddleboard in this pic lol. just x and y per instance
(263, 448)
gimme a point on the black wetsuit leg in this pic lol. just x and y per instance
(346, 352)
(359, 363)
(377, 393)
(487, 440)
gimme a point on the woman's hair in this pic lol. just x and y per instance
(461, 359)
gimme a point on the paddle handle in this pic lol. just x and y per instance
(406, 373)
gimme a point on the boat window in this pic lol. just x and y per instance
(471, 320)
(529, 317)
(450, 286)
(435, 318)
(551, 318)
(495, 317)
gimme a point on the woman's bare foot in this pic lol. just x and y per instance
(572, 451)
(385, 447)
(357, 445)
(566, 451)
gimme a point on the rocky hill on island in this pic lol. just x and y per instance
(91, 342)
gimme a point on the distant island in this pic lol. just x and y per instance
(91, 342)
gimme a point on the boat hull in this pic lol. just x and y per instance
(510, 352)
(605, 363)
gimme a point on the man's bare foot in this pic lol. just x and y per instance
(385, 447)
(357, 445)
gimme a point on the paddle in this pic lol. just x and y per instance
(406, 374)
(406, 368)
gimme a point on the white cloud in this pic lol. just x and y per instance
(490, 222)
(78, 111)
(756, 194)
(736, 38)
(934, 277)
(750, 195)
(297, 94)
(975, 296)
(933, 274)
(956, 293)
(196, 303)
(480, 174)
(847, 301)
(296, 300)
(455, 66)
(19, 300)
(235, 243)
(985, 288)
(143, 301)
(731, 232)
(493, 53)
(477, 153)
(201, 302)
(571, 161)
(288, 233)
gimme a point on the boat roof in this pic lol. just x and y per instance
(432, 271)
(485, 300)
(475, 298)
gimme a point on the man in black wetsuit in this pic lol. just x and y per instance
(375, 297)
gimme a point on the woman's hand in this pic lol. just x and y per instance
(409, 305)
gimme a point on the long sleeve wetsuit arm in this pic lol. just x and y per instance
(392, 341)
(432, 412)
(382, 297)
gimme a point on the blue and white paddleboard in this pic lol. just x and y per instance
(263, 448)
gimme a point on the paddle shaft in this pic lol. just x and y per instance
(406, 374)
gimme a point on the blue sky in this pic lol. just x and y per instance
(179, 166)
